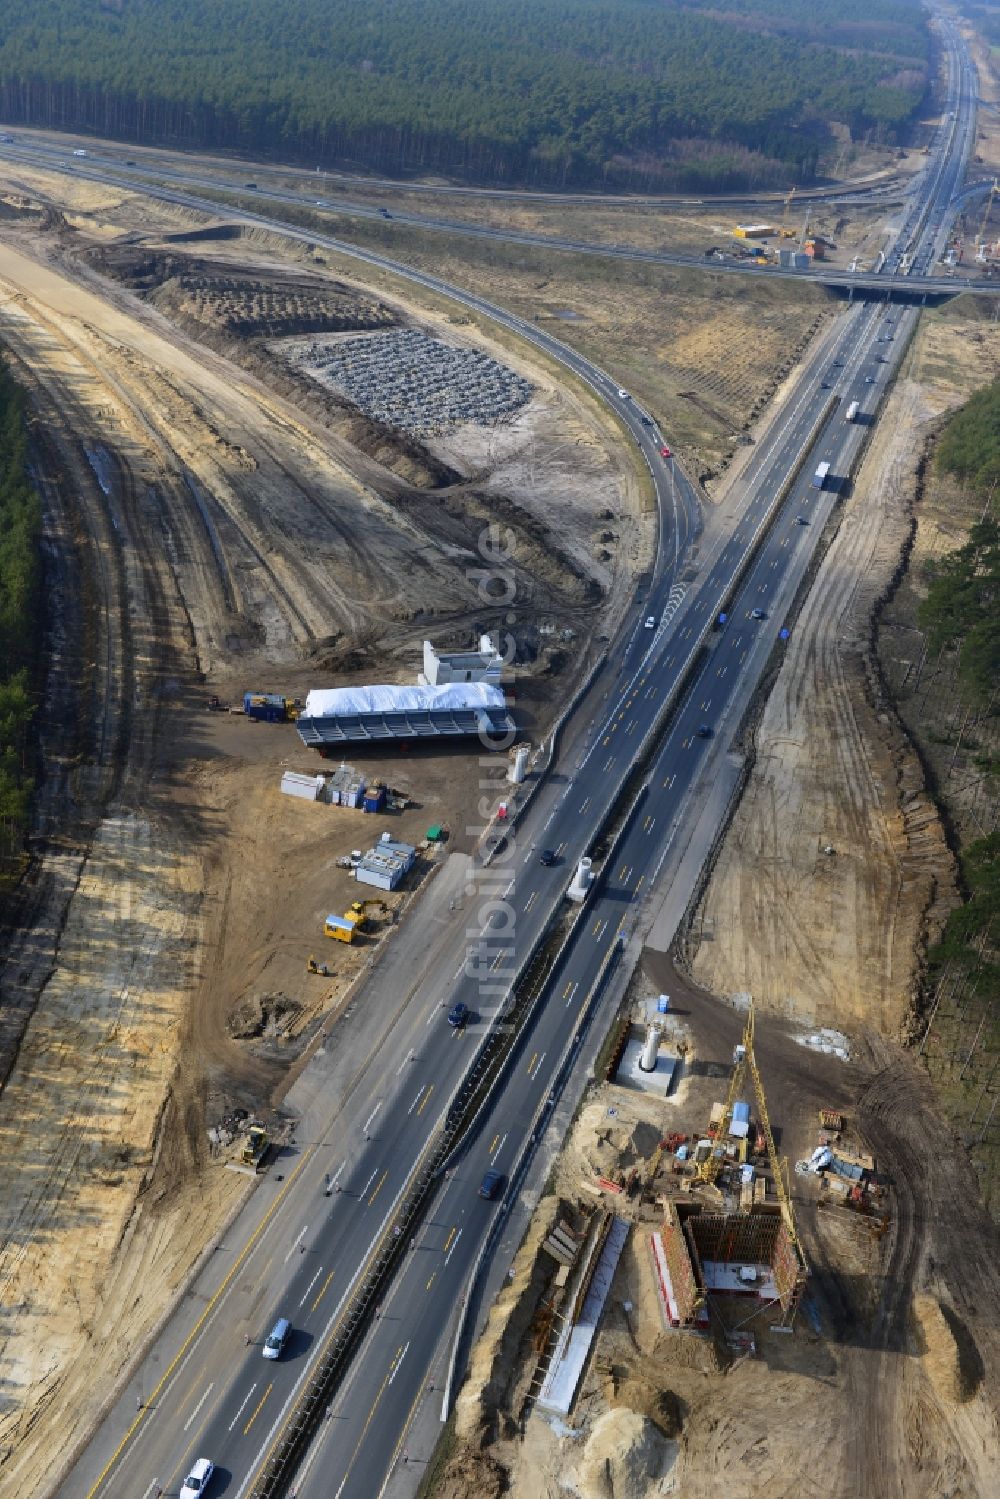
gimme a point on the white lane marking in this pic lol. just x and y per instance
(198, 1407)
(364, 1189)
(305, 1298)
(245, 1403)
(409, 1111)
(302, 1235)
(451, 1251)
(399, 1362)
(371, 1116)
(404, 1061)
(493, 1157)
(571, 991)
(335, 1178)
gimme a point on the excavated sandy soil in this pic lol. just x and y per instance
(835, 938)
(888, 1383)
(205, 531)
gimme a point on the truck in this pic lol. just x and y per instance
(270, 707)
(851, 414)
(820, 476)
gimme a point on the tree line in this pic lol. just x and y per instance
(544, 92)
(962, 613)
(20, 605)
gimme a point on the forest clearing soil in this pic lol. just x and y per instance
(837, 939)
(179, 836)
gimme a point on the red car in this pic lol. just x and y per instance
(664, 452)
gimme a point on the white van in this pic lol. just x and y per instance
(278, 1338)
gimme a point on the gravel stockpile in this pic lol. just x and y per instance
(416, 383)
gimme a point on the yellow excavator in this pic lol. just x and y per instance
(343, 928)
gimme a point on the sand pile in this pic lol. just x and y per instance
(625, 1457)
(639, 1395)
(941, 1357)
(471, 1473)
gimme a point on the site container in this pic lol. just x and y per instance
(269, 707)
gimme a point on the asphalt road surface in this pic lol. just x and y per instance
(207, 1392)
(109, 164)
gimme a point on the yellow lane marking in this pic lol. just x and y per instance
(382, 1178)
(196, 1329)
(423, 1105)
(258, 1410)
(322, 1292)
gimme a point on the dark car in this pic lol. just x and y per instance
(250, 186)
(547, 856)
(704, 732)
(647, 421)
(458, 1015)
(800, 520)
(491, 1184)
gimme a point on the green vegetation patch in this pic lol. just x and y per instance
(962, 610)
(20, 593)
(970, 445)
(552, 92)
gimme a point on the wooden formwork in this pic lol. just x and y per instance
(758, 1237)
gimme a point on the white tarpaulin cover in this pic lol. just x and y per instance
(334, 702)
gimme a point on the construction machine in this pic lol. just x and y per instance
(254, 1146)
(745, 1060)
(321, 968)
(785, 231)
(359, 909)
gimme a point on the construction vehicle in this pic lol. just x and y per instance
(321, 968)
(708, 1169)
(343, 928)
(359, 910)
(254, 1146)
(785, 231)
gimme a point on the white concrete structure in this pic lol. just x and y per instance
(581, 881)
(483, 665)
(650, 1048)
(518, 765)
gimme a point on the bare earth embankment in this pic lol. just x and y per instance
(204, 532)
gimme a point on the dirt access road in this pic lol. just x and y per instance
(204, 532)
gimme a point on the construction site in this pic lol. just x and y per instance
(719, 1265)
(732, 1277)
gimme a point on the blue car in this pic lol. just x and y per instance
(458, 1015)
(491, 1184)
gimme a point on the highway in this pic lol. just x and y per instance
(107, 164)
(210, 1393)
